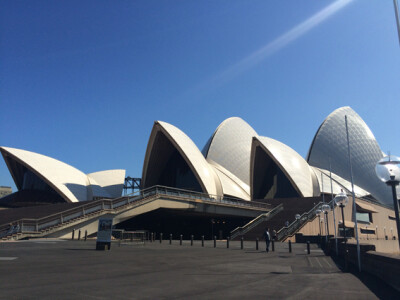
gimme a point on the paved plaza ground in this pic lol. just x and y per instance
(57, 269)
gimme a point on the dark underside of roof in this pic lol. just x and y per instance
(30, 198)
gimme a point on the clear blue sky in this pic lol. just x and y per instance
(83, 81)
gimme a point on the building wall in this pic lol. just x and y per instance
(381, 226)
(5, 190)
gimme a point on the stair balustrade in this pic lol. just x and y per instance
(36, 227)
(256, 221)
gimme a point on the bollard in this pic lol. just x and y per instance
(215, 241)
(191, 240)
(73, 234)
(181, 240)
(132, 238)
(256, 243)
(161, 237)
(202, 240)
(85, 235)
(151, 237)
(290, 246)
(227, 242)
(170, 239)
(346, 257)
(241, 243)
(273, 245)
(308, 247)
(79, 235)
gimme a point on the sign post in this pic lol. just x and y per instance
(104, 234)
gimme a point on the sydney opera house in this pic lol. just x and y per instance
(235, 163)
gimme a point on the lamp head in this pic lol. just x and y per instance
(325, 208)
(388, 168)
(341, 199)
(297, 216)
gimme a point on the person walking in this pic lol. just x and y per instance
(267, 237)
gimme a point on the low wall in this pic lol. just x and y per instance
(383, 265)
(384, 246)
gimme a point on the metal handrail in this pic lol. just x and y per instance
(131, 198)
(210, 197)
(253, 223)
(304, 218)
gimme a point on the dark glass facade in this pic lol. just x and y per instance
(269, 180)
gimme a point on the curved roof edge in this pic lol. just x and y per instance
(231, 185)
(46, 168)
(329, 150)
(338, 183)
(230, 147)
(292, 164)
(206, 147)
(70, 183)
(112, 181)
(204, 174)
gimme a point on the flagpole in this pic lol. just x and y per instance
(354, 198)
(396, 12)
(323, 194)
(333, 205)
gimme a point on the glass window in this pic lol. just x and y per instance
(364, 217)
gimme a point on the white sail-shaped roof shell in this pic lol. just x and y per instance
(230, 147)
(338, 184)
(204, 174)
(69, 182)
(231, 185)
(290, 162)
(212, 177)
(111, 181)
(329, 148)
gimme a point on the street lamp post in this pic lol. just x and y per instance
(326, 208)
(318, 213)
(388, 170)
(341, 199)
(297, 216)
(212, 227)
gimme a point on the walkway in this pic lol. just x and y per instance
(56, 269)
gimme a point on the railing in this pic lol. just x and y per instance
(297, 224)
(105, 205)
(253, 223)
(209, 197)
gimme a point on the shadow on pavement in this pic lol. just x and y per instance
(376, 285)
